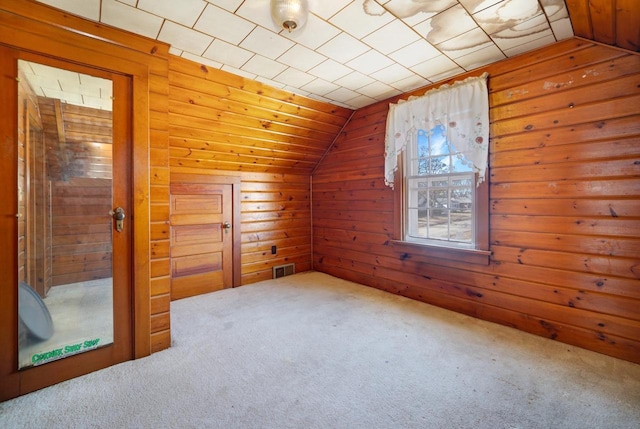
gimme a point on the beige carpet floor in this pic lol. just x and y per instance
(313, 351)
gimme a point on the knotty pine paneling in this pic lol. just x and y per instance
(564, 204)
(614, 22)
(220, 123)
(275, 211)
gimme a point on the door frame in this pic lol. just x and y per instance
(22, 34)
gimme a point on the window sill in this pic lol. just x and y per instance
(470, 256)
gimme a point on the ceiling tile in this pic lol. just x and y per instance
(320, 86)
(294, 77)
(354, 80)
(353, 21)
(507, 14)
(44, 81)
(410, 83)
(465, 44)
(315, 34)
(562, 28)
(391, 37)
(415, 11)
(326, 9)
(447, 74)
(270, 82)
(330, 70)
(227, 53)
(186, 14)
(223, 25)
(266, 43)
(97, 102)
(184, 38)
(238, 72)
(301, 58)
(478, 58)
(131, 19)
(89, 9)
(378, 90)
(523, 33)
(342, 94)
(555, 9)
(530, 44)
(259, 12)
(415, 53)
(435, 67)
(343, 48)
(393, 73)
(230, 5)
(101, 87)
(370, 62)
(263, 66)
(296, 90)
(447, 25)
(201, 60)
(65, 97)
(474, 6)
(360, 101)
(129, 2)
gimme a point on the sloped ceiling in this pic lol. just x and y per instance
(354, 53)
(613, 22)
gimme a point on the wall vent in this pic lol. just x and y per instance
(284, 270)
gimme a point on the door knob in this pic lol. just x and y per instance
(118, 215)
(226, 226)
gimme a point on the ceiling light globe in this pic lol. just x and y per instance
(289, 14)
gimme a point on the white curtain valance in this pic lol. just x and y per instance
(462, 108)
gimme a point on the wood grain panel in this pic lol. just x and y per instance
(614, 22)
(223, 122)
(564, 219)
(271, 139)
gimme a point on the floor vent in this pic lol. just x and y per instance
(284, 270)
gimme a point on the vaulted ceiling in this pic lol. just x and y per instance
(354, 53)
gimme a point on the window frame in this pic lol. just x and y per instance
(479, 255)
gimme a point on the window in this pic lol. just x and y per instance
(440, 195)
(438, 146)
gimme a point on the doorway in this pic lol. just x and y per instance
(205, 241)
(73, 237)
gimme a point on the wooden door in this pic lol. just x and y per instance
(32, 356)
(202, 238)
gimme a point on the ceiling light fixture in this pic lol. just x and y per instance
(289, 14)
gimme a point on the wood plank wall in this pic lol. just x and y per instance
(564, 204)
(220, 123)
(81, 238)
(160, 264)
(79, 171)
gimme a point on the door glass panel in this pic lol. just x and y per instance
(65, 289)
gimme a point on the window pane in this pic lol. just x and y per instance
(439, 224)
(438, 165)
(461, 226)
(439, 199)
(438, 141)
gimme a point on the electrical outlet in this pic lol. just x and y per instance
(273, 250)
